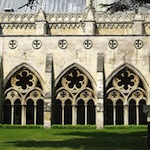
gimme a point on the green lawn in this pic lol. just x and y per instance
(73, 139)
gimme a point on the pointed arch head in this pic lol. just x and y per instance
(136, 71)
(22, 66)
(75, 83)
(75, 65)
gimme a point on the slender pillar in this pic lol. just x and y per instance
(35, 109)
(12, 114)
(74, 115)
(63, 113)
(137, 114)
(23, 116)
(114, 114)
(85, 106)
(126, 115)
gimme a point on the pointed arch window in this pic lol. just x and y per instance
(22, 88)
(125, 90)
(74, 90)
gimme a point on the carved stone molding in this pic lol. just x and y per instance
(36, 44)
(113, 44)
(138, 44)
(12, 44)
(63, 44)
(18, 26)
(88, 44)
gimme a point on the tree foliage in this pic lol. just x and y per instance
(30, 3)
(126, 5)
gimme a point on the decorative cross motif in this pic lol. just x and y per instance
(35, 94)
(36, 44)
(12, 94)
(138, 44)
(63, 94)
(12, 44)
(63, 44)
(113, 44)
(137, 94)
(114, 94)
(88, 44)
(85, 94)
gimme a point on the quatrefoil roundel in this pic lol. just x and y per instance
(138, 44)
(113, 44)
(36, 44)
(12, 44)
(88, 44)
(63, 44)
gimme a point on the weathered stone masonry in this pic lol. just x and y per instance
(74, 68)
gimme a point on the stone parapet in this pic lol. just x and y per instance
(75, 23)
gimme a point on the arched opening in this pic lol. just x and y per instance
(80, 112)
(57, 112)
(90, 112)
(128, 85)
(7, 112)
(73, 84)
(119, 112)
(21, 86)
(40, 112)
(132, 112)
(68, 112)
(30, 112)
(17, 112)
(142, 116)
(109, 112)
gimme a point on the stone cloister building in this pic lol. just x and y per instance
(68, 62)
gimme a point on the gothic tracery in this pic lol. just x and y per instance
(75, 94)
(22, 87)
(128, 88)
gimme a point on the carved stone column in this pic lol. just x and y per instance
(137, 114)
(126, 114)
(85, 106)
(23, 116)
(63, 114)
(12, 114)
(74, 115)
(114, 114)
(35, 112)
